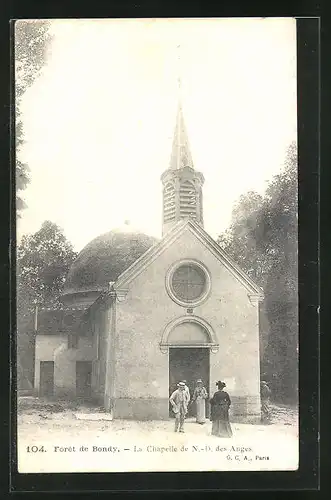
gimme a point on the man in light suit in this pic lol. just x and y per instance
(179, 400)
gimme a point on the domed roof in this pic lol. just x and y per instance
(105, 258)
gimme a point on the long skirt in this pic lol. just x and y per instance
(221, 428)
(201, 410)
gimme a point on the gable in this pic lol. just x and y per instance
(181, 230)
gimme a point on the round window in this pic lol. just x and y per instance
(188, 282)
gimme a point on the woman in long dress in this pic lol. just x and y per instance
(219, 415)
(199, 396)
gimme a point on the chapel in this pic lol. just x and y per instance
(141, 314)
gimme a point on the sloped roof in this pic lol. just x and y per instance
(65, 321)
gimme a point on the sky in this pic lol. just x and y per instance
(99, 121)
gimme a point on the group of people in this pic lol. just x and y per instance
(219, 406)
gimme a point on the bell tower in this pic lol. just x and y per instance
(182, 185)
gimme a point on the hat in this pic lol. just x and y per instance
(181, 384)
(220, 384)
(199, 381)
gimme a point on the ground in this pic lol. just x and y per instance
(62, 437)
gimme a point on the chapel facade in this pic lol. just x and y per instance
(141, 314)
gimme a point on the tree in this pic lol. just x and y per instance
(32, 39)
(43, 261)
(241, 240)
(262, 239)
(281, 283)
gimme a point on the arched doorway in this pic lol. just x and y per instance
(189, 364)
(188, 341)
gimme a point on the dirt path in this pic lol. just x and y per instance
(85, 440)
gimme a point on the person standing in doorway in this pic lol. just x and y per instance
(199, 396)
(219, 415)
(265, 403)
(187, 390)
(179, 400)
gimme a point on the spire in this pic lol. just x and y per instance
(182, 184)
(181, 154)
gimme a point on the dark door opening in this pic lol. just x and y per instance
(190, 364)
(46, 383)
(83, 379)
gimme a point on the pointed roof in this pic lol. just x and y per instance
(150, 255)
(181, 154)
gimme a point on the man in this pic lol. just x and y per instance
(265, 403)
(179, 400)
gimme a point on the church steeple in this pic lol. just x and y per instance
(182, 184)
(181, 154)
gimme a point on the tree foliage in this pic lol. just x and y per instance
(241, 239)
(262, 239)
(32, 39)
(43, 261)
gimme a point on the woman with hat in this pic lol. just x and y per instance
(199, 396)
(219, 415)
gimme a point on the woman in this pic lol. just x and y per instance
(199, 396)
(265, 403)
(219, 415)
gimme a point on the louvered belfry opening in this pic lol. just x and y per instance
(187, 200)
(169, 204)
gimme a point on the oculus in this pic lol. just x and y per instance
(188, 283)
